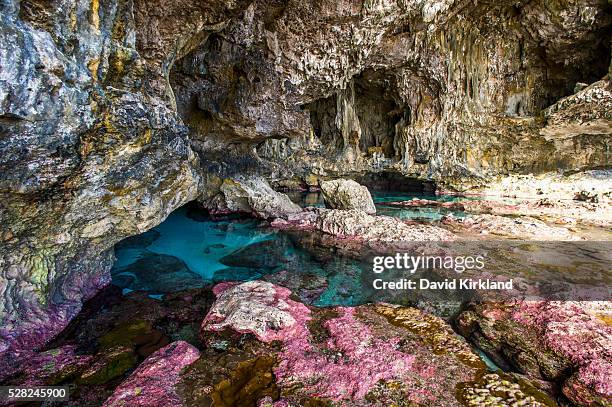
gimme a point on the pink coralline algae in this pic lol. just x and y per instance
(346, 366)
(18, 340)
(354, 363)
(46, 368)
(581, 337)
(257, 307)
(154, 382)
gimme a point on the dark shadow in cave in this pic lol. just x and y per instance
(394, 181)
(377, 112)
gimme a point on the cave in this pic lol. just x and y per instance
(253, 203)
(394, 181)
(376, 114)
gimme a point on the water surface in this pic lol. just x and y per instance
(190, 250)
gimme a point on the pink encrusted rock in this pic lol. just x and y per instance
(256, 307)
(49, 367)
(416, 202)
(547, 339)
(587, 342)
(154, 382)
(353, 353)
(524, 227)
(365, 360)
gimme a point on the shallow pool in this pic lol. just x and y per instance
(191, 250)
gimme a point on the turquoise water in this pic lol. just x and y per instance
(421, 213)
(190, 250)
(381, 199)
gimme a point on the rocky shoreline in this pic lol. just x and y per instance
(258, 346)
(115, 115)
(255, 343)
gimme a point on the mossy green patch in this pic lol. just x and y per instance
(112, 364)
(124, 334)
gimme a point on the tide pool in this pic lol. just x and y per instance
(190, 250)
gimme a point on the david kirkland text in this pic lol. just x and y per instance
(448, 284)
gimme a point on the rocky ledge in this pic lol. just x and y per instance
(555, 341)
(258, 345)
(368, 355)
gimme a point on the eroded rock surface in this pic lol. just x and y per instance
(522, 227)
(551, 340)
(347, 194)
(368, 355)
(359, 226)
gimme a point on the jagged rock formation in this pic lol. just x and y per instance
(552, 340)
(95, 96)
(439, 90)
(92, 150)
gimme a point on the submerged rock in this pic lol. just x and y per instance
(154, 382)
(236, 274)
(347, 194)
(158, 273)
(267, 254)
(555, 341)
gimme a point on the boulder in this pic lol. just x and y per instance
(267, 254)
(154, 382)
(347, 194)
(250, 195)
(157, 273)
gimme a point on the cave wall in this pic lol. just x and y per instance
(113, 113)
(91, 148)
(466, 84)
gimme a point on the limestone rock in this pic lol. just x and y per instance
(522, 227)
(250, 195)
(547, 340)
(349, 356)
(553, 210)
(347, 194)
(257, 307)
(154, 381)
(358, 224)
